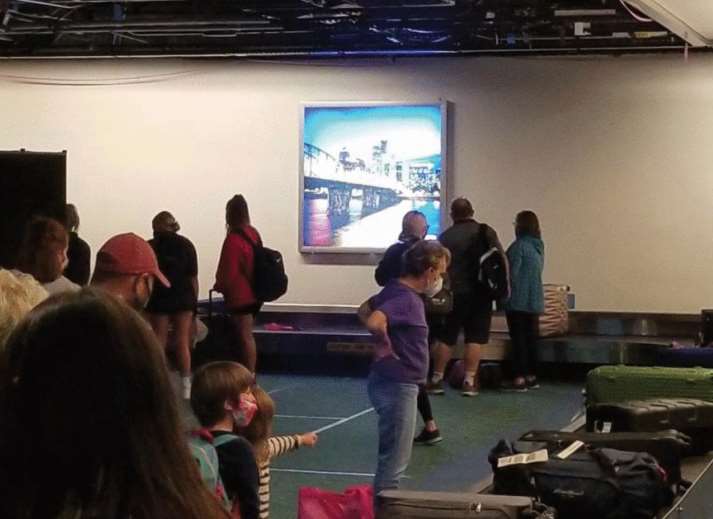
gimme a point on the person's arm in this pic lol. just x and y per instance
(365, 310)
(194, 284)
(84, 260)
(390, 265)
(279, 445)
(379, 273)
(240, 475)
(228, 270)
(377, 324)
(192, 267)
(514, 257)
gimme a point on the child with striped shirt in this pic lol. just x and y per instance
(258, 432)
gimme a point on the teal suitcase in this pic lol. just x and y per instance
(622, 383)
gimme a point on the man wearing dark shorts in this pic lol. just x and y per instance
(472, 305)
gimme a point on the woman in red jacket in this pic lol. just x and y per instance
(234, 277)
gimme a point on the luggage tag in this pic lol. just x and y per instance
(603, 427)
(524, 459)
(574, 447)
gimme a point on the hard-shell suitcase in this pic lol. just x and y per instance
(622, 383)
(690, 416)
(668, 447)
(685, 357)
(408, 504)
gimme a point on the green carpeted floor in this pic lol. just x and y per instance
(346, 452)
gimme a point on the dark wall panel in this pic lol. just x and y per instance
(31, 183)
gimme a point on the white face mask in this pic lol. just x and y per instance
(436, 287)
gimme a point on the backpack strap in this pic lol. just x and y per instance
(247, 238)
(223, 439)
(483, 229)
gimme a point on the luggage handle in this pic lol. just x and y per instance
(210, 304)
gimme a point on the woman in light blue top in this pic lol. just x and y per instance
(526, 256)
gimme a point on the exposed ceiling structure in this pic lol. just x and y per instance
(692, 20)
(324, 28)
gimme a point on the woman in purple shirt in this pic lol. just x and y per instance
(398, 321)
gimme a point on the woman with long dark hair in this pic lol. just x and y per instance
(234, 277)
(526, 256)
(89, 427)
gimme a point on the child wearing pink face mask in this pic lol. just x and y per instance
(267, 447)
(222, 400)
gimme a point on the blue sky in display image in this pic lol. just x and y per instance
(413, 131)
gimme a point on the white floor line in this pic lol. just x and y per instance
(273, 391)
(324, 472)
(344, 420)
(309, 417)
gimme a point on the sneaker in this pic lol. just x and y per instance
(532, 383)
(469, 389)
(519, 385)
(435, 388)
(428, 437)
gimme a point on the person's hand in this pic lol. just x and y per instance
(309, 439)
(383, 348)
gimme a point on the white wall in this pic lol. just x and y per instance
(613, 154)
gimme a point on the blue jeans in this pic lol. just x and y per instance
(395, 406)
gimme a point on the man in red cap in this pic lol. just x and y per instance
(126, 267)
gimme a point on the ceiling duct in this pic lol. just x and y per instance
(691, 20)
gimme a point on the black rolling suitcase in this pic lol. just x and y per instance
(690, 416)
(408, 504)
(668, 447)
(221, 343)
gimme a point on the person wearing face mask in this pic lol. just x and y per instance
(126, 267)
(266, 446)
(398, 323)
(413, 228)
(222, 400)
(43, 254)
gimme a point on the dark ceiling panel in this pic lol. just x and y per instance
(313, 28)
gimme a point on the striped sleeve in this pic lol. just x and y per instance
(278, 445)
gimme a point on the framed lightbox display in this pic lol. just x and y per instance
(363, 166)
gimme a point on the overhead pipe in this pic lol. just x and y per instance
(357, 54)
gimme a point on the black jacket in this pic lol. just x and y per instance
(390, 265)
(460, 239)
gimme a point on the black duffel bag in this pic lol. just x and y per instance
(589, 484)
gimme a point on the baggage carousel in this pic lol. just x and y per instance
(594, 338)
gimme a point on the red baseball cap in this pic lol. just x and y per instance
(129, 254)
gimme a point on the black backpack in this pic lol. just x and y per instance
(589, 484)
(269, 278)
(491, 268)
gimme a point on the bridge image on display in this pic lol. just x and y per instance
(381, 185)
(339, 195)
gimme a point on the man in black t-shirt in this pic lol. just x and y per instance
(472, 304)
